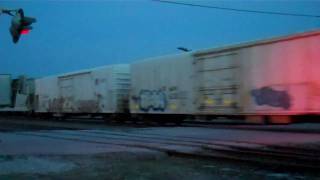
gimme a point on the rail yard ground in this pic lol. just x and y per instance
(38, 149)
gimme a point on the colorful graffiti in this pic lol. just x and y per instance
(271, 97)
(155, 100)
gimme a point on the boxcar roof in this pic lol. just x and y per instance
(82, 71)
(255, 43)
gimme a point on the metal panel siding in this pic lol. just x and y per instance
(89, 91)
(122, 84)
(314, 74)
(76, 92)
(47, 95)
(278, 78)
(66, 94)
(217, 83)
(5, 90)
(163, 85)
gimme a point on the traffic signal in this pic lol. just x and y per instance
(20, 24)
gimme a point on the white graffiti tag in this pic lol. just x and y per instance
(152, 100)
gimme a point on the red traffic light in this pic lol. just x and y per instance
(25, 31)
(20, 24)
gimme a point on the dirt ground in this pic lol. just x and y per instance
(134, 166)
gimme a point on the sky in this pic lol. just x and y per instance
(73, 35)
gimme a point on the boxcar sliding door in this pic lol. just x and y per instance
(216, 83)
(66, 93)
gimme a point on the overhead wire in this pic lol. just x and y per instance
(238, 10)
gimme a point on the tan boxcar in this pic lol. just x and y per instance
(99, 90)
(278, 76)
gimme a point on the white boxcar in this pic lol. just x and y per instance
(163, 85)
(5, 90)
(99, 90)
(278, 76)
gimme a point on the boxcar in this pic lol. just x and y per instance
(5, 90)
(16, 95)
(102, 90)
(162, 87)
(273, 78)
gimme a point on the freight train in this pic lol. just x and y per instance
(271, 80)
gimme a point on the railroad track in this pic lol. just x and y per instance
(99, 123)
(281, 156)
(301, 158)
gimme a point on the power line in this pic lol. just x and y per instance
(239, 10)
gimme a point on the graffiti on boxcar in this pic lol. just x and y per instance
(155, 100)
(175, 94)
(271, 97)
(88, 106)
(56, 104)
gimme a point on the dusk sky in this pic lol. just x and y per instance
(74, 35)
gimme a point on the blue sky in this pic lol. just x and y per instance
(73, 35)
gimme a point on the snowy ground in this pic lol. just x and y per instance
(137, 153)
(134, 166)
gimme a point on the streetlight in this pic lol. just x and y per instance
(184, 49)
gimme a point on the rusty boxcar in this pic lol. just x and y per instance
(102, 90)
(273, 78)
